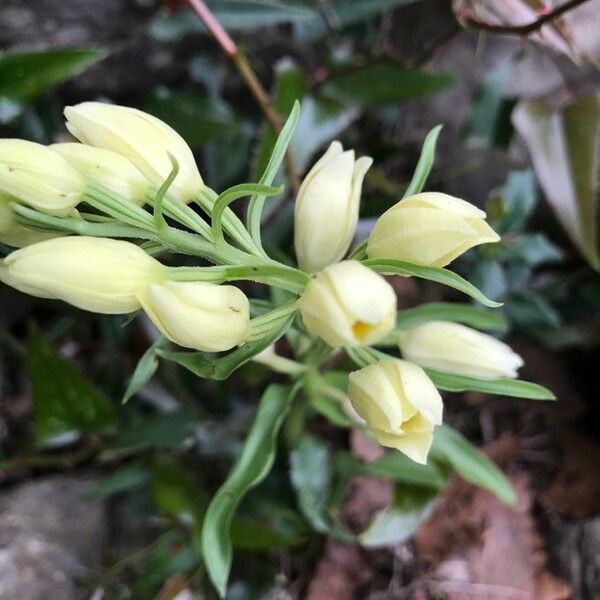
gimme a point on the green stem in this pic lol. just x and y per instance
(183, 214)
(271, 274)
(231, 223)
(271, 320)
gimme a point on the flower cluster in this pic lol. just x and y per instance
(133, 177)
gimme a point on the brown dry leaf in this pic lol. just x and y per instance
(339, 574)
(554, 34)
(480, 548)
(575, 491)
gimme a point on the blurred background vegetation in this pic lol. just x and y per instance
(114, 493)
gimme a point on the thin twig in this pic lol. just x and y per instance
(241, 63)
(521, 29)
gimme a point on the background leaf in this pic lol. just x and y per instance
(397, 522)
(451, 448)
(564, 149)
(425, 163)
(310, 473)
(250, 469)
(26, 75)
(386, 83)
(64, 401)
(199, 119)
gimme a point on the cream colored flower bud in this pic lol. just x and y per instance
(199, 315)
(97, 274)
(459, 349)
(106, 168)
(400, 405)
(348, 304)
(429, 229)
(34, 175)
(326, 211)
(145, 140)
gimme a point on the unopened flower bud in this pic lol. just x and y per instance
(459, 349)
(429, 229)
(348, 304)
(400, 405)
(96, 274)
(34, 175)
(106, 168)
(142, 138)
(199, 315)
(326, 212)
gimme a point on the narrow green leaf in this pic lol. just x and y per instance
(250, 535)
(176, 491)
(443, 276)
(24, 76)
(310, 474)
(162, 431)
(395, 466)
(257, 201)
(386, 83)
(121, 480)
(452, 382)
(235, 193)
(451, 448)
(397, 522)
(451, 311)
(290, 86)
(425, 163)
(64, 401)
(221, 367)
(144, 370)
(253, 465)
(159, 220)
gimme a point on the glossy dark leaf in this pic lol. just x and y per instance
(64, 401)
(24, 76)
(386, 83)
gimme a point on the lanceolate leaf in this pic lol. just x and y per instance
(257, 201)
(394, 466)
(564, 149)
(425, 163)
(502, 387)
(451, 448)
(386, 83)
(439, 275)
(221, 367)
(64, 401)
(250, 469)
(145, 369)
(26, 75)
(451, 311)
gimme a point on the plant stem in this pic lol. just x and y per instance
(260, 272)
